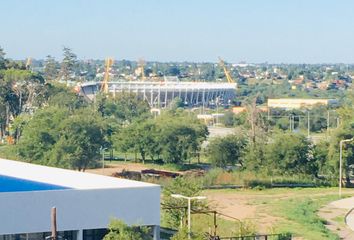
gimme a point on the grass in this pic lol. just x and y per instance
(294, 209)
(301, 217)
(205, 223)
(339, 220)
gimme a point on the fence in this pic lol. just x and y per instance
(285, 236)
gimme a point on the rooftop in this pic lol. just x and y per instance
(21, 176)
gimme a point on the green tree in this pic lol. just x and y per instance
(50, 68)
(41, 133)
(118, 230)
(68, 64)
(125, 107)
(2, 58)
(291, 154)
(226, 150)
(139, 137)
(176, 209)
(180, 136)
(81, 137)
(332, 167)
(64, 97)
(228, 119)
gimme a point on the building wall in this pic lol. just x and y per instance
(26, 212)
(295, 103)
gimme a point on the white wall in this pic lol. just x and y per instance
(25, 212)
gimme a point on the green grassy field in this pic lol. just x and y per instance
(294, 210)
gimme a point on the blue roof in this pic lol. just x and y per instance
(12, 184)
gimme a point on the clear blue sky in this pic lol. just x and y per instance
(288, 31)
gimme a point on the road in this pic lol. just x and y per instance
(337, 210)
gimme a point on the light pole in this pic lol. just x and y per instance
(189, 208)
(340, 162)
(308, 124)
(102, 149)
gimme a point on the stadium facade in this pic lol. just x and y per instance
(161, 94)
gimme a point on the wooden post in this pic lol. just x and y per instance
(54, 223)
(215, 225)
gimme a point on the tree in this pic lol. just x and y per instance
(227, 150)
(257, 132)
(2, 58)
(332, 166)
(179, 142)
(180, 136)
(290, 153)
(125, 107)
(173, 71)
(40, 134)
(176, 209)
(228, 119)
(50, 68)
(139, 137)
(68, 64)
(81, 137)
(118, 230)
(62, 96)
(176, 103)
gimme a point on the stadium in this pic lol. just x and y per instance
(161, 94)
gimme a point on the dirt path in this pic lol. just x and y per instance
(113, 168)
(334, 214)
(244, 207)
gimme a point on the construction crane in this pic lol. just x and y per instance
(28, 63)
(227, 73)
(108, 64)
(141, 64)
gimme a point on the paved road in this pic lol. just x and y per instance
(338, 209)
(347, 204)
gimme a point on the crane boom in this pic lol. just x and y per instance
(141, 64)
(104, 86)
(227, 73)
(28, 63)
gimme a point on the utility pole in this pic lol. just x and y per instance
(327, 123)
(308, 124)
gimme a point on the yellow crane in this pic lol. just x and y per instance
(28, 63)
(141, 64)
(227, 73)
(108, 64)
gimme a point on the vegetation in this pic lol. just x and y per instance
(51, 124)
(118, 230)
(175, 210)
(280, 210)
(226, 151)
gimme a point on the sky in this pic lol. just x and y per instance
(255, 31)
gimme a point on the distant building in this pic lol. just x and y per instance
(161, 94)
(238, 110)
(85, 202)
(297, 103)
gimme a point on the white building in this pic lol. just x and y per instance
(85, 202)
(297, 103)
(161, 94)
